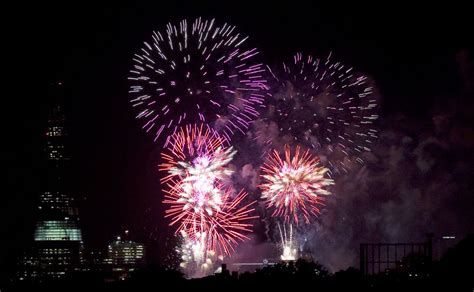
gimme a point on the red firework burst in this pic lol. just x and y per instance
(199, 203)
(223, 228)
(293, 186)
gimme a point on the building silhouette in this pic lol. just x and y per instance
(57, 244)
(383, 257)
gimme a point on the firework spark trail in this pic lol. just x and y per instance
(191, 251)
(293, 186)
(195, 259)
(327, 106)
(288, 243)
(201, 71)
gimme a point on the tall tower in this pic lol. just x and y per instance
(57, 238)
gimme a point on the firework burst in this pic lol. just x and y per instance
(293, 186)
(196, 150)
(326, 106)
(219, 231)
(202, 71)
(196, 163)
(199, 201)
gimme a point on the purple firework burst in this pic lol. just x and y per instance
(199, 72)
(326, 106)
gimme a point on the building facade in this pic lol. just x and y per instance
(125, 253)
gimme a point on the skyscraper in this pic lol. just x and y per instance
(57, 238)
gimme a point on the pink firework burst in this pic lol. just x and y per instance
(294, 185)
(196, 163)
(200, 71)
(196, 150)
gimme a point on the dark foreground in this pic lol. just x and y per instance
(454, 272)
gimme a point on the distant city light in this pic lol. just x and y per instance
(449, 237)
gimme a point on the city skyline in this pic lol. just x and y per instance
(416, 182)
(58, 249)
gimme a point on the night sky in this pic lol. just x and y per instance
(416, 55)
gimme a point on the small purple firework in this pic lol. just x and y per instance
(203, 72)
(326, 106)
